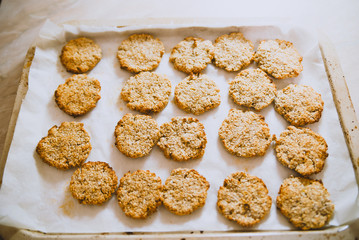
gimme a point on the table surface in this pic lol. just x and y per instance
(21, 20)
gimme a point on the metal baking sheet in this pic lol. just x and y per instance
(199, 234)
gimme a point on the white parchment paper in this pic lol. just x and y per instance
(36, 196)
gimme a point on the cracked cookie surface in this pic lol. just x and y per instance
(278, 58)
(252, 88)
(302, 150)
(136, 135)
(305, 202)
(197, 94)
(299, 104)
(139, 193)
(244, 198)
(78, 95)
(192, 55)
(140, 52)
(185, 190)
(245, 134)
(147, 92)
(233, 52)
(66, 146)
(80, 55)
(182, 139)
(93, 183)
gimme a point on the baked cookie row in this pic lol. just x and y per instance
(146, 92)
(69, 146)
(139, 193)
(149, 92)
(243, 134)
(243, 198)
(232, 52)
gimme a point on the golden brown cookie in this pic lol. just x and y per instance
(252, 88)
(80, 55)
(182, 139)
(302, 150)
(66, 146)
(197, 94)
(78, 95)
(136, 135)
(147, 92)
(233, 52)
(305, 203)
(192, 55)
(93, 183)
(244, 198)
(245, 134)
(278, 58)
(140, 52)
(139, 193)
(185, 190)
(299, 104)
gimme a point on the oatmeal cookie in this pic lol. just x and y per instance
(136, 135)
(147, 92)
(245, 134)
(233, 52)
(252, 88)
(80, 55)
(197, 94)
(305, 203)
(244, 198)
(140, 52)
(299, 104)
(278, 58)
(78, 95)
(182, 139)
(93, 183)
(185, 190)
(192, 55)
(66, 146)
(139, 193)
(302, 150)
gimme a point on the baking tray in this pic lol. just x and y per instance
(346, 115)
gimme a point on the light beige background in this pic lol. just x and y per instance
(21, 20)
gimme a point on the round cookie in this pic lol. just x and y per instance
(299, 104)
(66, 146)
(78, 95)
(278, 58)
(233, 52)
(245, 134)
(244, 198)
(139, 193)
(136, 135)
(192, 55)
(140, 52)
(80, 55)
(147, 92)
(93, 183)
(305, 202)
(185, 190)
(182, 139)
(302, 150)
(252, 88)
(197, 94)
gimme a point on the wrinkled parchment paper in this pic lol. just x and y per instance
(36, 196)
